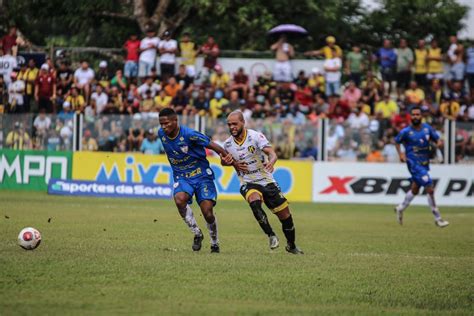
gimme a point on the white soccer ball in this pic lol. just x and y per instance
(29, 238)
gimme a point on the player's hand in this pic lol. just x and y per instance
(240, 166)
(269, 166)
(403, 157)
(227, 159)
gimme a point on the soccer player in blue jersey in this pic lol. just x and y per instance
(417, 140)
(192, 174)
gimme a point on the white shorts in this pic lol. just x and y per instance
(435, 76)
(282, 71)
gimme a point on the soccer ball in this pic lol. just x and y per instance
(29, 238)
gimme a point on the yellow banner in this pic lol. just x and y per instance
(294, 177)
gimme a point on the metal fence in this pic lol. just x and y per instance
(320, 140)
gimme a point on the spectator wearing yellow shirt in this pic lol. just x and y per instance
(28, 75)
(188, 50)
(434, 62)
(219, 79)
(162, 100)
(414, 95)
(76, 100)
(449, 108)
(18, 138)
(217, 103)
(316, 81)
(421, 53)
(387, 107)
(331, 50)
(88, 142)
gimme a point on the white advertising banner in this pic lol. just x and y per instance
(387, 183)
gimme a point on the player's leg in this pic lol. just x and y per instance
(254, 197)
(276, 201)
(415, 188)
(182, 195)
(434, 209)
(206, 196)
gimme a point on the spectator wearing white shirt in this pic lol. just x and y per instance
(7, 64)
(148, 49)
(168, 48)
(100, 97)
(358, 119)
(332, 68)
(42, 123)
(16, 92)
(149, 85)
(83, 77)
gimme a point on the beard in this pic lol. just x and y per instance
(239, 132)
(416, 122)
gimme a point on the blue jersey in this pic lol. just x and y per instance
(417, 143)
(187, 155)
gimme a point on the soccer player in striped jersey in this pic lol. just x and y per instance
(255, 158)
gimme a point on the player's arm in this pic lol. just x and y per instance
(226, 158)
(401, 154)
(272, 158)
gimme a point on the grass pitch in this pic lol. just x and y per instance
(115, 256)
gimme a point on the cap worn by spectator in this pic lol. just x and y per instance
(66, 104)
(45, 67)
(315, 70)
(103, 64)
(137, 116)
(330, 40)
(150, 131)
(217, 67)
(17, 124)
(166, 34)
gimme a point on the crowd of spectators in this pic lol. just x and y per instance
(366, 97)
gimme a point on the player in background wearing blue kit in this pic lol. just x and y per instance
(192, 174)
(417, 140)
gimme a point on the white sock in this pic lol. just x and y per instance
(433, 207)
(213, 232)
(406, 202)
(191, 221)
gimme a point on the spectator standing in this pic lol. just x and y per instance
(211, 52)
(387, 58)
(64, 78)
(83, 77)
(16, 92)
(9, 42)
(132, 49)
(355, 64)
(434, 62)
(284, 51)
(331, 50)
(421, 53)
(7, 64)
(168, 48)
(148, 50)
(453, 47)
(405, 60)
(470, 69)
(45, 90)
(332, 68)
(189, 51)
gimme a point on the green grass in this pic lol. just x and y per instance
(109, 256)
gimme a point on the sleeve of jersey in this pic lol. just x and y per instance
(199, 139)
(400, 136)
(262, 141)
(433, 134)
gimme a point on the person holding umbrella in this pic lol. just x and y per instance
(284, 51)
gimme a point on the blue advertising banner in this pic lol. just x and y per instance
(117, 189)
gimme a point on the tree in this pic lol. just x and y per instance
(414, 19)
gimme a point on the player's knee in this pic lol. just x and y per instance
(254, 197)
(283, 214)
(415, 191)
(209, 216)
(180, 202)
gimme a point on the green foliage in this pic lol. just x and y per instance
(109, 256)
(237, 24)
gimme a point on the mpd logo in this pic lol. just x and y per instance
(389, 186)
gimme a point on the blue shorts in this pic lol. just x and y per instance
(419, 174)
(204, 189)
